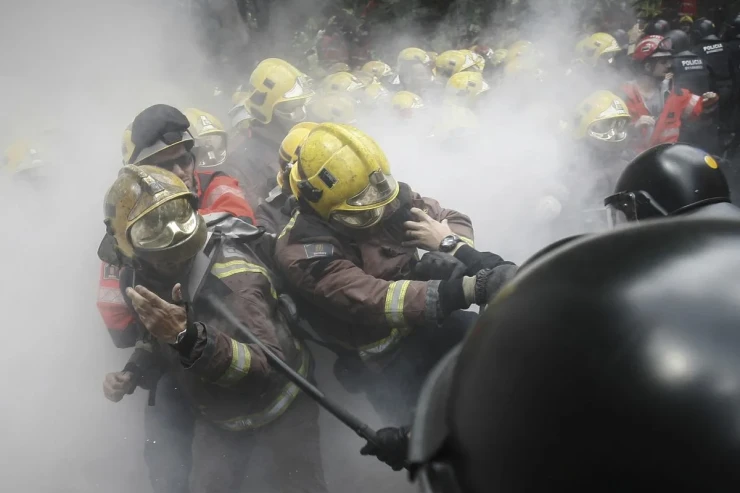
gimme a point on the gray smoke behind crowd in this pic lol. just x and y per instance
(74, 74)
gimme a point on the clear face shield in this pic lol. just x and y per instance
(211, 150)
(611, 131)
(169, 236)
(379, 190)
(294, 110)
(625, 207)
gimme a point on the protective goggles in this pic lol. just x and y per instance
(211, 150)
(358, 219)
(626, 207)
(183, 161)
(165, 226)
(611, 130)
(379, 190)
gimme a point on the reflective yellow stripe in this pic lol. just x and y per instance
(468, 241)
(276, 408)
(290, 225)
(227, 269)
(394, 300)
(241, 360)
(379, 347)
(394, 314)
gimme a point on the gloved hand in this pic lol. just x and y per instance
(438, 266)
(392, 447)
(118, 384)
(488, 282)
(645, 121)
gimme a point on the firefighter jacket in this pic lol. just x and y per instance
(217, 192)
(227, 380)
(680, 105)
(361, 281)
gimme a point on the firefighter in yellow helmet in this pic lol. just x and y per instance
(211, 139)
(415, 71)
(383, 73)
(466, 89)
(598, 49)
(598, 137)
(162, 136)
(278, 94)
(341, 82)
(335, 108)
(407, 104)
(232, 391)
(452, 62)
(350, 251)
(275, 212)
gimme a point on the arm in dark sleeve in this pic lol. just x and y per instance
(220, 356)
(476, 261)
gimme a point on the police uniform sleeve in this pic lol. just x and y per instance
(459, 223)
(221, 356)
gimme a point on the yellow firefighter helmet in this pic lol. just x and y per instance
(344, 175)
(519, 49)
(451, 62)
(340, 82)
(406, 103)
(277, 88)
(152, 216)
(334, 108)
(603, 117)
(414, 55)
(210, 136)
(599, 46)
(465, 88)
(288, 151)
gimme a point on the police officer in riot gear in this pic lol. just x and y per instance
(690, 72)
(716, 57)
(632, 366)
(669, 180)
(624, 381)
(658, 27)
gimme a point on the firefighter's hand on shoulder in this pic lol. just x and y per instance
(118, 384)
(645, 121)
(709, 99)
(391, 447)
(488, 282)
(425, 232)
(163, 320)
(438, 266)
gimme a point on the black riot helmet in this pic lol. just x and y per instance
(665, 180)
(733, 30)
(657, 27)
(704, 30)
(625, 377)
(623, 39)
(680, 41)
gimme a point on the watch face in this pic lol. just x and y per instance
(449, 242)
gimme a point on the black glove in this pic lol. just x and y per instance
(439, 266)
(392, 447)
(488, 282)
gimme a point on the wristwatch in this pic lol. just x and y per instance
(449, 243)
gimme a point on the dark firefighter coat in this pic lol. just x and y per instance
(217, 192)
(228, 381)
(363, 283)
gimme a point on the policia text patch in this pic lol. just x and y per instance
(319, 250)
